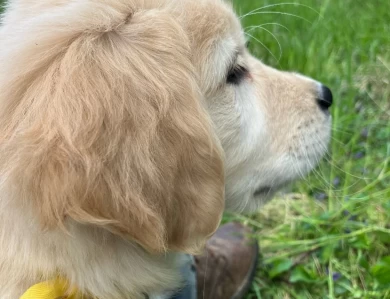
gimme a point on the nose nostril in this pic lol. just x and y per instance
(325, 105)
(326, 98)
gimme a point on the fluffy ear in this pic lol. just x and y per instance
(102, 123)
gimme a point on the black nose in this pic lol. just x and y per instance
(325, 100)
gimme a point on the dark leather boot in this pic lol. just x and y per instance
(227, 267)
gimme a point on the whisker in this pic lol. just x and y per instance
(265, 47)
(343, 171)
(331, 162)
(276, 24)
(313, 166)
(282, 13)
(302, 177)
(335, 129)
(339, 142)
(279, 4)
(275, 38)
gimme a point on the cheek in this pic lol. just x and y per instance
(240, 124)
(253, 121)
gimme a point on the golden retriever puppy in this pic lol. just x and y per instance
(126, 126)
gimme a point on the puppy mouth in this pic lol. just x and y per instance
(263, 191)
(268, 190)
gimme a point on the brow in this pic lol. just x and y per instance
(234, 58)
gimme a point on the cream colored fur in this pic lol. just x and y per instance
(121, 141)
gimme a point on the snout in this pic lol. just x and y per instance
(325, 98)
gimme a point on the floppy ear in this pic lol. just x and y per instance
(102, 123)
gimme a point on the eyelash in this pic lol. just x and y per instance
(236, 74)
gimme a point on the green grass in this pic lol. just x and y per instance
(330, 237)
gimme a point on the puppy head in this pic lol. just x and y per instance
(274, 126)
(102, 123)
(105, 117)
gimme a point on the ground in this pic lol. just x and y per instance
(329, 235)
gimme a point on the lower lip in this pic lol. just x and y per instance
(263, 191)
(268, 190)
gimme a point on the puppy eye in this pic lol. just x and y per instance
(236, 75)
(248, 44)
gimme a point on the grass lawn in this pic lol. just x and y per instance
(329, 236)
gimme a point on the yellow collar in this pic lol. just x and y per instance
(54, 289)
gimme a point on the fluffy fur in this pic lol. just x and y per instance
(119, 136)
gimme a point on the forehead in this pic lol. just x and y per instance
(214, 30)
(209, 20)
